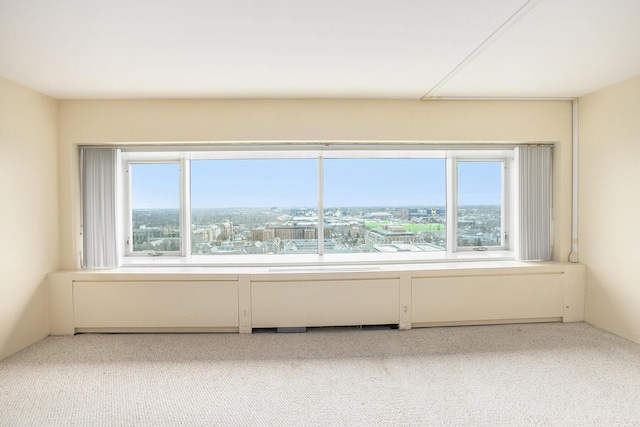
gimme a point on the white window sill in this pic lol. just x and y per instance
(311, 260)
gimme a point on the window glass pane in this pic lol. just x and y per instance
(479, 203)
(256, 206)
(155, 206)
(384, 205)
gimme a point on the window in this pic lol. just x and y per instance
(362, 204)
(480, 204)
(385, 205)
(254, 206)
(154, 208)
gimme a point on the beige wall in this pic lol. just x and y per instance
(29, 245)
(136, 121)
(609, 205)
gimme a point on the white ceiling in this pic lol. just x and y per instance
(78, 49)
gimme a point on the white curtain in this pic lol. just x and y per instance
(99, 183)
(534, 202)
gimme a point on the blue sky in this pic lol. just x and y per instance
(293, 183)
(155, 185)
(479, 183)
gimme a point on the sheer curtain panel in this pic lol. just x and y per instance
(99, 183)
(534, 202)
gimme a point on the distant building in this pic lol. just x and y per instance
(285, 232)
(421, 213)
(165, 244)
(289, 232)
(401, 213)
(387, 234)
(307, 246)
(227, 228)
(310, 233)
(208, 233)
(144, 235)
(407, 247)
(268, 235)
(379, 215)
(257, 234)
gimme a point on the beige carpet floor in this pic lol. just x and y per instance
(517, 375)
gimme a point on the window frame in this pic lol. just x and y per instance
(452, 251)
(506, 224)
(127, 214)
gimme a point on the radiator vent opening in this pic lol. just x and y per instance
(303, 329)
(323, 269)
(294, 330)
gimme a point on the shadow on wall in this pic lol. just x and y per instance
(600, 297)
(23, 319)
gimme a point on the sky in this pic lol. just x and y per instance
(293, 183)
(479, 183)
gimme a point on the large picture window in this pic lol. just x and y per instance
(262, 204)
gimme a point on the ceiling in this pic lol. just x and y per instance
(408, 49)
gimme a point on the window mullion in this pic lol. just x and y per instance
(504, 226)
(452, 204)
(185, 206)
(128, 226)
(120, 222)
(320, 230)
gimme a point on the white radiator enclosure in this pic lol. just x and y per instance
(482, 299)
(302, 303)
(238, 300)
(148, 305)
